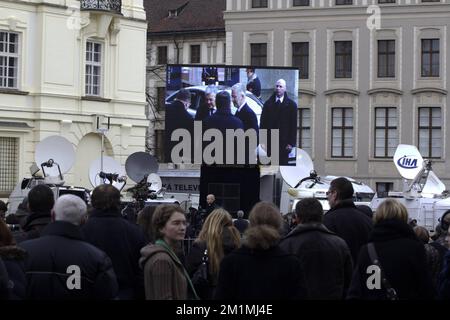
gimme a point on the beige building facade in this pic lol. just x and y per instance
(373, 74)
(61, 69)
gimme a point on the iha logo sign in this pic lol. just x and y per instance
(407, 162)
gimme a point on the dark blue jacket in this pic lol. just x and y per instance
(122, 242)
(248, 118)
(48, 266)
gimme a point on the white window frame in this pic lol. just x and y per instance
(89, 87)
(8, 55)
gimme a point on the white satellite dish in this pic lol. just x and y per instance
(155, 180)
(58, 149)
(408, 161)
(293, 174)
(110, 166)
(433, 185)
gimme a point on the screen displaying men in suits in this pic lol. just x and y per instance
(262, 100)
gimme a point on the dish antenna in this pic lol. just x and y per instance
(155, 182)
(56, 157)
(408, 161)
(112, 173)
(294, 174)
(139, 165)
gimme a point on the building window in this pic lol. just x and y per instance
(430, 57)
(9, 60)
(195, 53)
(300, 58)
(93, 68)
(258, 54)
(304, 129)
(299, 3)
(259, 3)
(160, 98)
(386, 1)
(9, 164)
(342, 133)
(386, 134)
(386, 58)
(162, 55)
(383, 188)
(430, 132)
(342, 2)
(343, 59)
(159, 145)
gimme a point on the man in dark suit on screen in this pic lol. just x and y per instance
(177, 117)
(280, 112)
(247, 116)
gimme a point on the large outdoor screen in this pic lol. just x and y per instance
(231, 115)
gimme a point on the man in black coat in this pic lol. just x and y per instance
(4, 292)
(120, 239)
(40, 202)
(248, 118)
(240, 223)
(344, 218)
(280, 112)
(325, 258)
(60, 265)
(222, 120)
(177, 117)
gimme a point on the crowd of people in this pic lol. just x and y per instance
(279, 112)
(65, 249)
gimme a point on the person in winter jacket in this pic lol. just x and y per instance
(60, 265)
(219, 237)
(260, 269)
(325, 258)
(164, 275)
(344, 219)
(401, 259)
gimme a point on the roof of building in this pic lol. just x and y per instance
(184, 15)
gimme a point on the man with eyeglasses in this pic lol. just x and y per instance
(344, 218)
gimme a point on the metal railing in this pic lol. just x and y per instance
(102, 5)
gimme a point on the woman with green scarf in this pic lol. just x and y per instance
(164, 275)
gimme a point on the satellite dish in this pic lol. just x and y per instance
(110, 166)
(155, 180)
(293, 174)
(139, 165)
(408, 161)
(60, 150)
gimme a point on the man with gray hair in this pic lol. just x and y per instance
(61, 265)
(240, 223)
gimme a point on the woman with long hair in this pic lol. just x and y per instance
(218, 237)
(164, 275)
